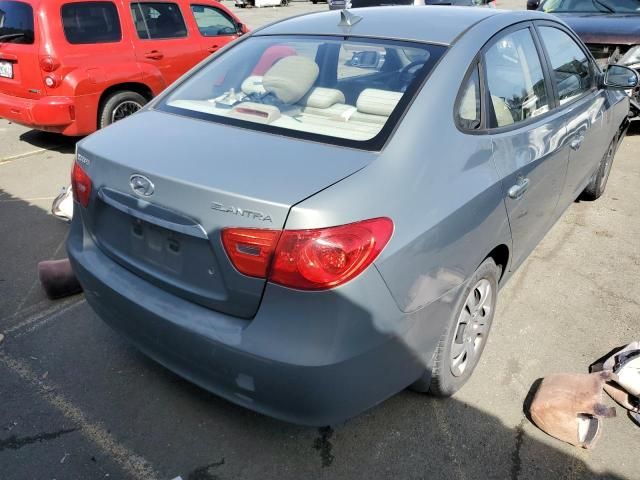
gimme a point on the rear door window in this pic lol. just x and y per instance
(212, 22)
(572, 69)
(16, 22)
(515, 79)
(91, 22)
(158, 20)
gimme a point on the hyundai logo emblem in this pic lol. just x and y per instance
(141, 185)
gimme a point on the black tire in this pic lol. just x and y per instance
(598, 182)
(123, 101)
(441, 381)
(315, 2)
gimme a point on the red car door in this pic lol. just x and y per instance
(163, 41)
(216, 26)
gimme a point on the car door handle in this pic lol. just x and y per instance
(519, 188)
(577, 141)
(154, 55)
(213, 48)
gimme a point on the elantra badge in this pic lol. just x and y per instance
(141, 185)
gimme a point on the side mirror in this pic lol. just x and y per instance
(618, 77)
(241, 29)
(366, 59)
(533, 4)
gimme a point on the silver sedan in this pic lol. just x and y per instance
(323, 213)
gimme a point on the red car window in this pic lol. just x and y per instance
(91, 22)
(158, 20)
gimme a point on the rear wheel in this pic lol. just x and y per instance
(462, 344)
(119, 105)
(284, 3)
(598, 183)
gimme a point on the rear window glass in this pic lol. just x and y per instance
(16, 22)
(346, 92)
(91, 22)
(158, 20)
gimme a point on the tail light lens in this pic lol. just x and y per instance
(49, 64)
(315, 259)
(250, 249)
(81, 185)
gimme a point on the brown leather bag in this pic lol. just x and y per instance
(57, 278)
(569, 407)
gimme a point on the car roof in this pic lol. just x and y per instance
(432, 24)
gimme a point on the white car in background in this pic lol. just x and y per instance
(261, 3)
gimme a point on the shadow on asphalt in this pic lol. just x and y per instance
(27, 235)
(183, 430)
(50, 141)
(634, 128)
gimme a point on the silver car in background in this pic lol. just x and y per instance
(306, 234)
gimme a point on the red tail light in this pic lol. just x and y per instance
(49, 64)
(315, 259)
(81, 185)
(250, 249)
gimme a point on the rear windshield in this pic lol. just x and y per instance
(345, 91)
(91, 22)
(16, 22)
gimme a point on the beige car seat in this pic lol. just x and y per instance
(375, 106)
(291, 78)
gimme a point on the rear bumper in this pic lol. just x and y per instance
(305, 373)
(74, 115)
(46, 113)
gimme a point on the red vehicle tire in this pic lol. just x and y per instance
(119, 105)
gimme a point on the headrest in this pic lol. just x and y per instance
(253, 84)
(321, 97)
(378, 102)
(290, 78)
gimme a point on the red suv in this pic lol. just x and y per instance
(73, 66)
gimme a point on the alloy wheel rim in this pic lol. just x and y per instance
(471, 327)
(124, 109)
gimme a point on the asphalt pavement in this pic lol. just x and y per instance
(78, 402)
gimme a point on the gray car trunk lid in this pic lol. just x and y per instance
(206, 177)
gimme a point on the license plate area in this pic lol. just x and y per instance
(6, 69)
(156, 245)
(180, 263)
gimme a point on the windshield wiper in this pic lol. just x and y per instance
(10, 36)
(598, 2)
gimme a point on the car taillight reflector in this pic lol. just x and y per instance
(81, 185)
(51, 81)
(250, 249)
(315, 259)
